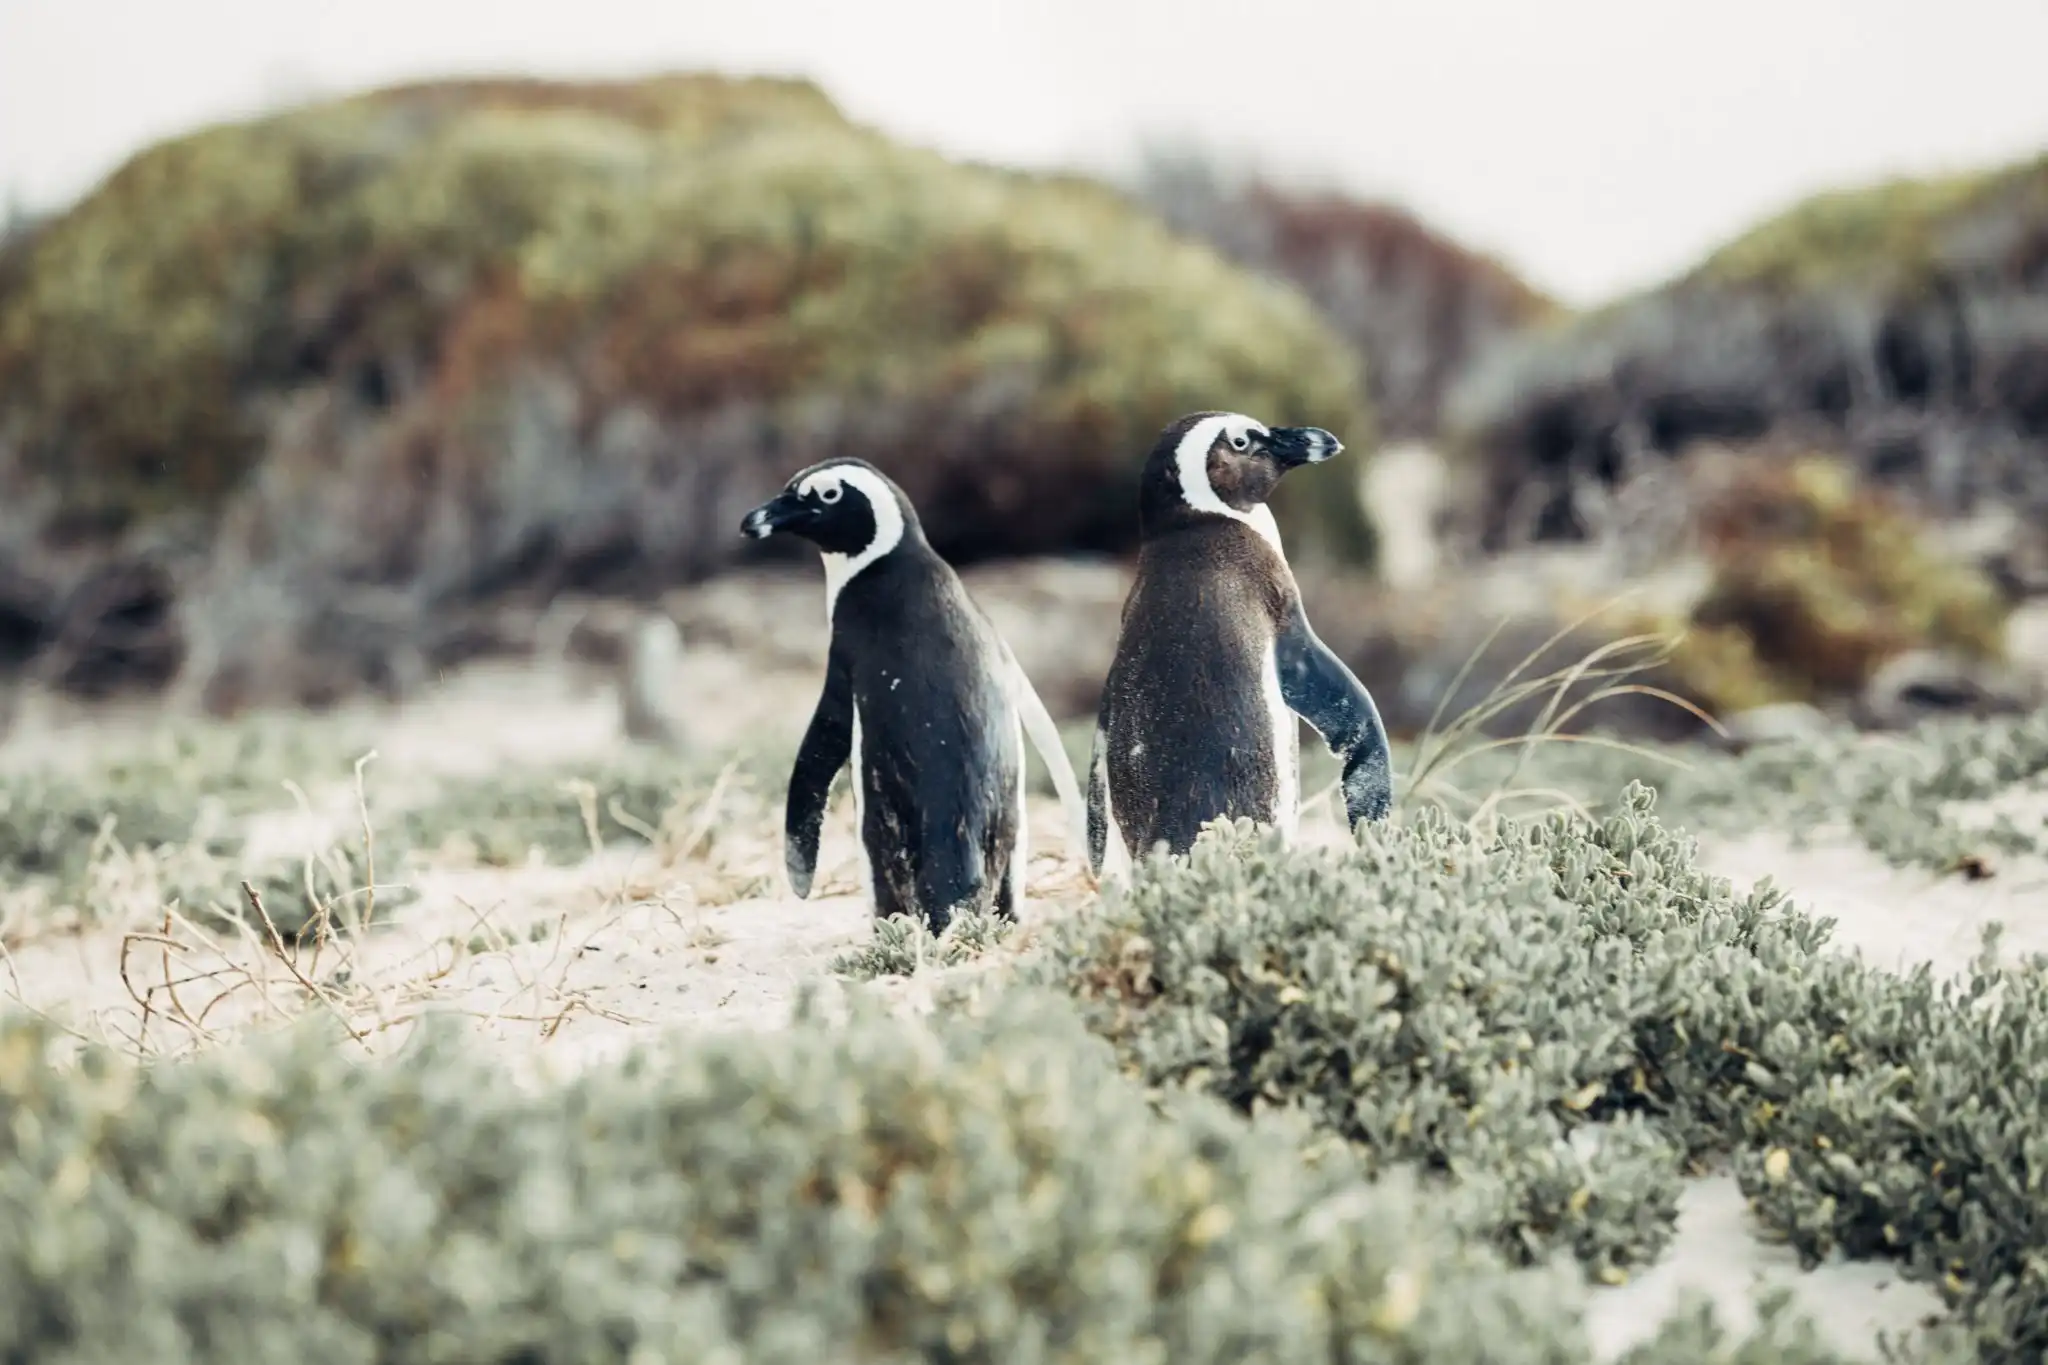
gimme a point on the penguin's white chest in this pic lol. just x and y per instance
(860, 824)
(1286, 740)
(1020, 852)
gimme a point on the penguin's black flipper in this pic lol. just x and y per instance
(1318, 687)
(827, 744)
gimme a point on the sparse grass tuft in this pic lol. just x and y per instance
(1621, 667)
(178, 797)
(902, 945)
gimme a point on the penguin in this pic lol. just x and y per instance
(926, 700)
(1215, 657)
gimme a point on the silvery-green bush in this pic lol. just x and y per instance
(1931, 1148)
(989, 1189)
(1558, 1019)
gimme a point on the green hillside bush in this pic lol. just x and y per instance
(1815, 582)
(1418, 305)
(348, 368)
(1907, 322)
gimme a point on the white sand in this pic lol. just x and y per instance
(697, 930)
(1717, 1253)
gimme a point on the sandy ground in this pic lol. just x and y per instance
(558, 966)
(563, 963)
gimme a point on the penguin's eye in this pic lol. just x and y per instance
(1240, 441)
(829, 494)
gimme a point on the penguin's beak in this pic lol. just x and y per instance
(1297, 446)
(772, 516)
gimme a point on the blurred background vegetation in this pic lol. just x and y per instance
(340, 396)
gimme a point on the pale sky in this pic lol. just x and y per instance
(1597, 145)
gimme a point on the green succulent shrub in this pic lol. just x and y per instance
(1315, 1105)
(869, 1189)
(983, 1186)
(1558, 1018)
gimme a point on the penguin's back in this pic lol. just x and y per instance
(939, 765)
(1192, 718)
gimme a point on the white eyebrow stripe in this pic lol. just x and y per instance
(840, 568)
(1191, 462)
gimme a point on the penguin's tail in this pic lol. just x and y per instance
(1045, 737)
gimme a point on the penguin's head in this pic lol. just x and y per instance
(1225, 464)
(844, 507)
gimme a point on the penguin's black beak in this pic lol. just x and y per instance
(772, 516)
(1297, 446)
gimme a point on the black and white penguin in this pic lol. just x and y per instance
(1215, 657)
(924, 697)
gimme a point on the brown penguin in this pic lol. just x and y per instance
(1215, 658)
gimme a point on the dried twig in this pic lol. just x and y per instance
(255, 900)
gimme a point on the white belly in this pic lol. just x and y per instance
(860, 824)
(1286, 813)
(1020, 851)
(1116, 855)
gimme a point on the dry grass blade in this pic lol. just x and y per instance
(1598, 741)
(1442, 748)
(625, 819)
(1504, 694)
(1551, 722)
(1558, 797)
(707, 814)
(1436, 716)
(1660, 646)
(585, 793)
(369, 845)
(368, 915)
